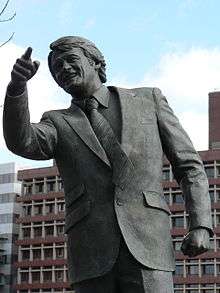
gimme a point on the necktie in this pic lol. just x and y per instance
(122, 167)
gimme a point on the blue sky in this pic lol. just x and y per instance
(172, 44)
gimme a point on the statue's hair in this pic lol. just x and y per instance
(89, 49)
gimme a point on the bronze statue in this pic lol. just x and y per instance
(108, 146)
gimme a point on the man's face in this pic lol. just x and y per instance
(72, 70)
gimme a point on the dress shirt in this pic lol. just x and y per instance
(109, 107)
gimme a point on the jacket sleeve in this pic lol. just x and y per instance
(35, 141)
(186, 164)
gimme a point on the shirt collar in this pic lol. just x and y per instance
(102, 96)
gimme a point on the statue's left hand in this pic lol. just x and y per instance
(196, 242)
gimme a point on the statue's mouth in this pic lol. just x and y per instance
(69, 76)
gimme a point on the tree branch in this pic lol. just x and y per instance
(7, 40)
(8, 19)
(3, 9)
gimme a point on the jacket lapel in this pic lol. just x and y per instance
(130, 112)
(77, 119)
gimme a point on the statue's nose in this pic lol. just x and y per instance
(66, 65)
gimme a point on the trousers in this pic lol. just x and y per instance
(128, 276)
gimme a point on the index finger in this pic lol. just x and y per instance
(27, 53)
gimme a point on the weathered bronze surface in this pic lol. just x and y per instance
(110, 160)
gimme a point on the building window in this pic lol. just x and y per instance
(208, 269)
(166, 175)
(59, 276)
(7, 178)
(36, 253)
(60, 185)
(48, 253)
(38, 209)
(49, 231)
(177, 198)
(178, 270)
(218, 171)
(37, 231)
(177, 245)
(35, 277)
(218, 270)
(51, 184)
(6, 218)
(3, 259)
(218, 244)
(39, 187)
(192, 269)
(211, 194)
(50, 208)
(27, 210)
(47, 276)
(218, 220)
(25, 254)
(210, 172)
(24, 277)
(178, 222)
(7, 197)
(218, 195)
(27, 189)
(60, 230)
(26, 232)
(212, 245)
(60, 252)
(167, 198)
(61, 207)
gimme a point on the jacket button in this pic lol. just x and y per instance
(119, 202)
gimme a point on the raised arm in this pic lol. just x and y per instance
(33, 141)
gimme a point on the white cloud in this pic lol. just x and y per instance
(186, 78)
(196, 125)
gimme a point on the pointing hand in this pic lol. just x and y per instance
(23, 70)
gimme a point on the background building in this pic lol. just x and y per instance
(200, 274)
(10, 189)
(42, 265)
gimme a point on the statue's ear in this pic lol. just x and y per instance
(97, 66)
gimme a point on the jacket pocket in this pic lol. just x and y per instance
(77, 215)
(74, 194)
(155, 200)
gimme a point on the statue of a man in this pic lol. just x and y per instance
(108, 146)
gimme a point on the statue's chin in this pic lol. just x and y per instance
(76, 89)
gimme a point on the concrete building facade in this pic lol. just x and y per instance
(10, 189)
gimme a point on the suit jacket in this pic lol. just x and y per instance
(98, 211)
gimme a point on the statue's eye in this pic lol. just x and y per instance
(57, 65)
(71, 60)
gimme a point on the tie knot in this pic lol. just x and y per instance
(91, 104)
